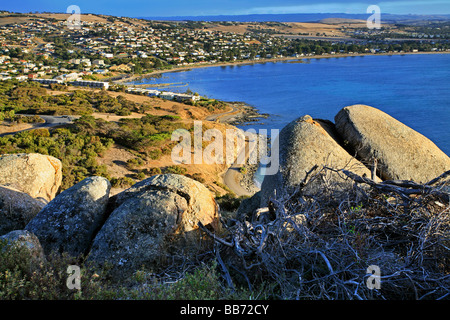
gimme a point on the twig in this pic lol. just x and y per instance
(212, 235)
(224, 269)
(437, 179)
(330, 268)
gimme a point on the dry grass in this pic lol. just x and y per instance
(320, 247)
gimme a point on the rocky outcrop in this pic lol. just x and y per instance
(27, 240)
(401, 152)
(153, 219)
(362, 138)
(69, 222)
(35, 174)
(16, 209)
(305, 143)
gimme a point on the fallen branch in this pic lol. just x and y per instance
(439, 178)
(213, 236)
(402, 187)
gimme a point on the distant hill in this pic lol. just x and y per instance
(302, 17)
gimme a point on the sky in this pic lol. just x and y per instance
(168, 8)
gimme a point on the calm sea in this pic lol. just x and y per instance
(415, 89)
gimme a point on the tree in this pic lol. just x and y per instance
(318, 50)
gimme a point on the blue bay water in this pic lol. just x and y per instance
(414, 89)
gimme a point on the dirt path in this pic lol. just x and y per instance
(224, 117)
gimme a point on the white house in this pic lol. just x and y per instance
(153, 93)
(167, 95)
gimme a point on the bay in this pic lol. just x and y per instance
(414, 89)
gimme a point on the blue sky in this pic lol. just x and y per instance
(146, 8)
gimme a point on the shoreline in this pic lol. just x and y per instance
(240, 183)
(244, 184)
(261, 61)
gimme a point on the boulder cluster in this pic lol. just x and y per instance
(363, 140)
(143, 225)
(158, 218)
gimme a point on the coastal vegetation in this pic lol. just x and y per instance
(77, 150)
(22, 278)
(32, 98)
(81, 143)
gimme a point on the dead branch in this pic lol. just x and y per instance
(402, 187)
(314, 249)
(213, 236)
(439, 178)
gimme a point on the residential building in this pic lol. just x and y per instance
(88, 83)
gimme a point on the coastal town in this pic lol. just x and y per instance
(42, 47)
(152, 159)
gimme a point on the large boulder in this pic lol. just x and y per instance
(16, 209)
(26, 240)
(69, 222)
(401, 152)
(153, 220)
(36, 174)
(303, 144)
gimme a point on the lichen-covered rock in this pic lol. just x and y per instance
(36, 174)
(402, 153)
(68, 223)
(303, 144)
(27, 240)
(152, 220)
(202, 205)
(16, 209)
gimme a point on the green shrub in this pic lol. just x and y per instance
(140, 175)
(176, 169)
(43, 132)
(202, 284)
(197, 176)
(155, 154)
(229, 202)
(121, 182)
(135, 162)
(153, 171)
(23, 278)
(77, 149)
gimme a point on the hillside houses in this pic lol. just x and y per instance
(48, 49)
